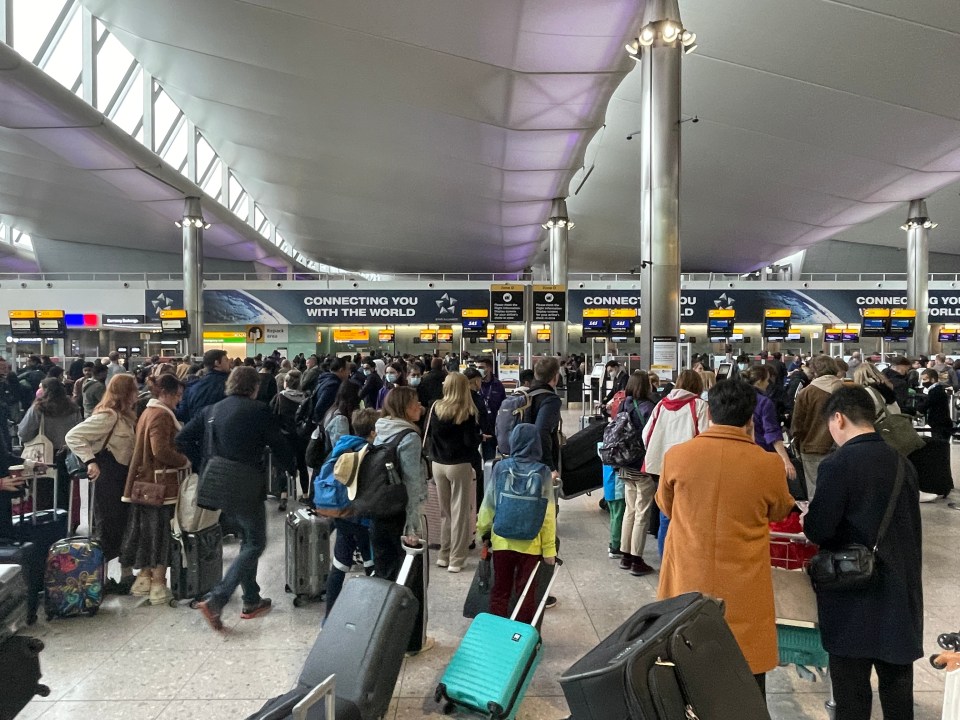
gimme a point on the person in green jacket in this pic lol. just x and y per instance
(514, 558)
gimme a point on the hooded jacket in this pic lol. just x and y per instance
(679, 417)
(208, 390)
(413, 469)
(285, 405)
(809, 429)
(525, 458)
(325, 394)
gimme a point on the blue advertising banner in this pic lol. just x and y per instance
(806, 306)
(320, 307)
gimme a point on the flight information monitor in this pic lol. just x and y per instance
(720, 327)
(949, 335)
(594, 327)
(875, 327)
(776, 323)
(474, 327)
(833, 335)
(850, 336)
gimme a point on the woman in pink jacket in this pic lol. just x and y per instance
(680, 416)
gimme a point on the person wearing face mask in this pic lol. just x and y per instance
(414, 375)
(743, 364)
(372, 383)
(935, 405)
(618, 380)
(493, 394)
(393, 377)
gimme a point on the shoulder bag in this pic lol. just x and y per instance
(854, 566)
(896, 429)
(425, 444)
(225, 483)
(40, 448)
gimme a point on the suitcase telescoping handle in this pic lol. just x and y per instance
(410, 552)
(328, 690)
(546, 593)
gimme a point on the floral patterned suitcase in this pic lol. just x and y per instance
(74, 577)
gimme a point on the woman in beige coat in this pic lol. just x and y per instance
(721, 491)
(104, 441)
(157, 460)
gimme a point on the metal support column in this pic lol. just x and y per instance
(193, 226)
(88, 73)
(917, 225)
(559, 228)
(659, 46)
(6, 22)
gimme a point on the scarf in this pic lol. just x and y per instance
(154, 403)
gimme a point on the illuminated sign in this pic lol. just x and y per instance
(173, 314)
(428, 336)
(351, 335)
(386, 336)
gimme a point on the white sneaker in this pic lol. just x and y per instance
(454, 569)
(926, 497)
(141, 586)
(442, 563)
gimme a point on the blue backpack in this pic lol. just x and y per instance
(329, 494)
(521, 506)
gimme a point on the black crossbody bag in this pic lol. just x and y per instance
(854, 566)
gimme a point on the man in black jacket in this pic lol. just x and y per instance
(370, 384)
(431, 384)
(209, 389)
(327, 387)
(880, 626)
(233, 472)
(897, 375)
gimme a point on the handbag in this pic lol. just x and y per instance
(76, 468)
(896, 430)
(40, 448)
(151, 494)
(854, 566)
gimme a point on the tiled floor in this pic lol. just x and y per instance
(136, 661)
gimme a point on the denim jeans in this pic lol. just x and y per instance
(662, 532)
(243, 572)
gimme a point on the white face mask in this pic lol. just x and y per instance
(483, 371)
(414, 380)
(741, 366)
(367, 372)
(391, 377)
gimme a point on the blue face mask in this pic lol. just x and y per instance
(414, 380)
(391, 377)
(367, 372)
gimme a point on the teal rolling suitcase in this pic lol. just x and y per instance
(492, 669)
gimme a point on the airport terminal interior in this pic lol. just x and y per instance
(659, 182)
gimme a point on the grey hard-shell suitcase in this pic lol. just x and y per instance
(13, 601)
(307, 554)
(362, 643)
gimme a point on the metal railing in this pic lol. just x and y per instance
(154, 277)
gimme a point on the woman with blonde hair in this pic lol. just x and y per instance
(881, 390)
(452, 438)
(104, 441)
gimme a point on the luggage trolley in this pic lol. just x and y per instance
(798, 634)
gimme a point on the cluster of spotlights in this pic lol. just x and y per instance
(557, 222)
(665, 30)
(920, 222)
(197, 222)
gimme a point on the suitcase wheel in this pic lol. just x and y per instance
(193, 603)
(43, 690)
(440, 694)
(448, 708)
(286, 588)
(299, 601)
(173, 602)
(35, 645)
(496, 712)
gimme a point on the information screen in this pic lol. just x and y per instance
(775, 327)
(875, 327)
(833, 337)
(720, 327)
(902, 326)
(474, 327)
(851, 337)
(621, 326)
(948, 336)
(445, 336)
(594, 327)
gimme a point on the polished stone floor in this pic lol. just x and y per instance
(142, 662)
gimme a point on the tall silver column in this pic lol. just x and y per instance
(918, 268)
(193, 225)
(659, 46)
(558, 226)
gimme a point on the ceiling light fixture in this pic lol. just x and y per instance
(666, 32)
(918, 217)
(557, 222)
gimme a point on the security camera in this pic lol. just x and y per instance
(23, 285)
(731, 285)
(126, 285)
(429, 285)
(635, 132)
(695, 119)
(356, 284)
(49, 285)
(581, 286)
(279, 285)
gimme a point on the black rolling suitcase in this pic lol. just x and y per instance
(363, 642)
(20, 675)
(932, 463)
(672, 659)
(580, 468)
(196, 565)
(13, 601)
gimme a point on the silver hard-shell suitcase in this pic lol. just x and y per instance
(307, 554)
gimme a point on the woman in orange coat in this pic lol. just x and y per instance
(721, 491)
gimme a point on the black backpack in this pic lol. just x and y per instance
(303, 421)
(380, 489)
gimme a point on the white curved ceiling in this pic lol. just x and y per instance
(424, 136)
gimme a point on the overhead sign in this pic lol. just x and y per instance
(275, 333)
(474, 327)
(445, 335)
(503, 335)
(549, 303)
(506, 303)
(50, 314)
(386, 336)
(428, 336)
(351, 335)
(623, 312)
(256, 334)
(172, 314)
(23, 314)
(474, 312)
(225, 336)
(123, 320)
(596, 312)
(543, 335)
